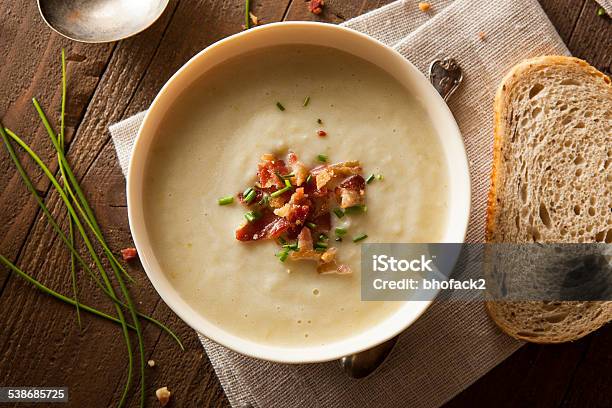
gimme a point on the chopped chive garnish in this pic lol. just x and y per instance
(339, 213)
(601, 12)
(281, 191)
(226, 200)
(287, 183)
(311, 225)
(308, 178)
(291, 246)
(282, 255)
(322, 236)
(249, 195)
(360, 237)
(321, 244)
(322, 158)
(252, 216)
(379, 177)
(306, 101)
(341, 231)
(286, 176)
(280, 106)
(282, 240)
(319, 121)
(370, 178)
(319, 249)
(356, 209)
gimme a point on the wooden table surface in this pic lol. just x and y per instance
(40, 343)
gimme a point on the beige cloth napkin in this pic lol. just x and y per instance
(453, 343)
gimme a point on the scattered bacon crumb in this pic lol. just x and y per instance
(322, 133)
(163, 396)
(129, 253)
(482, 36)
(300, 172)
(424, 7)
(316, 6)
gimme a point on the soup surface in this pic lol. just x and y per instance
(208, 147)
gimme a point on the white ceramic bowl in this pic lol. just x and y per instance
(314, 34)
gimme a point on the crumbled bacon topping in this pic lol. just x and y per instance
(316, 6)
(293, 202)
(128, 254)
(351, 191)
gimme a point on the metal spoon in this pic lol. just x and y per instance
(99, 21)
(445, 75)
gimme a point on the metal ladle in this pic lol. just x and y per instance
(99, 21)
(445, 75)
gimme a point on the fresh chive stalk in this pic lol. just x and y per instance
(379, 177)
(306, 101)
(226, 200)
(247, 17)
(360, 237)
(249, 195)
(69, 244)
(322, 158)
(341, 231)
(311, 225)
(280, 106)
(339, 212)
(265, 200)
(282, 255)
(370, 178)
(252, 216)
(308, 178)
(280, 192)
(288, 183)
(356, 209)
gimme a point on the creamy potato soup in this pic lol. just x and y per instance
(209, 146)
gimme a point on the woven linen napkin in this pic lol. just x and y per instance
(454, 343)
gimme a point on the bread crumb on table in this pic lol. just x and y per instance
(163, 396)
(424, 7)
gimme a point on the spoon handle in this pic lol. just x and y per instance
(445, 76)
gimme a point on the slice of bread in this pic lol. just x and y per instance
(551, 181)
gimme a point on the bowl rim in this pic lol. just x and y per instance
(385, 330)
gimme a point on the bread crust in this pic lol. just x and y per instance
(499, 130)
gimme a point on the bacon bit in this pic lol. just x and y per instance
(329, 255)
(267, 169)
(299, 170)
(297, 209)
(324, 174)
(424, 7)
(482, 35)
(305, 247)
(351, 191)
(266, 227)
(128, 254)
(322, 133)
(278, 202)
(328, 265)
(316, 6)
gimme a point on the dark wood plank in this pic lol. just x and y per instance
(110, 82)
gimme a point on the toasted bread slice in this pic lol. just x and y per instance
(551, 181)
